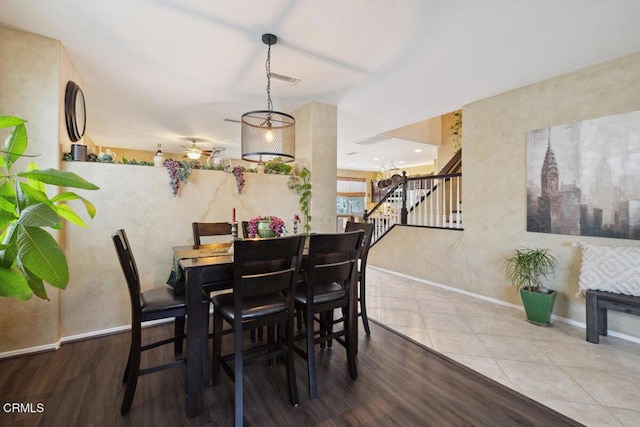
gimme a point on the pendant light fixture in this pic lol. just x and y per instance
(268, 134)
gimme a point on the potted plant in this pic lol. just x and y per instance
(525, 268)
(29, 255)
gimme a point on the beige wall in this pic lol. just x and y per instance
(30, 75)
(494, 192)
(316, 148)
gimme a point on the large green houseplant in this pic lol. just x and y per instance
(29, 255)
(525, 268)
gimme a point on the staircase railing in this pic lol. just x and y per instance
(429, 201)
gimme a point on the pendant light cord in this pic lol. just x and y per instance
(268, 67)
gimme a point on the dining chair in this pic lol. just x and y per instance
(201, 229)
(367, 228)
(329, 284)
(265, 275)
(153, 304)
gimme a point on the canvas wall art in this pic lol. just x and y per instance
(583, 178)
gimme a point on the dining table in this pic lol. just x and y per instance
(205, 269)
(210, 267)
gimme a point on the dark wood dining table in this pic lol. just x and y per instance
(209, 266)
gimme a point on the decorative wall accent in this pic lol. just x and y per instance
(583, 178)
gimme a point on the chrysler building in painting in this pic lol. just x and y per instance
(584, 178)
(558, 206)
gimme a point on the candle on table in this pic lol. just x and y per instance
(234, 215)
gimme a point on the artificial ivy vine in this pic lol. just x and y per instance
(302, 186)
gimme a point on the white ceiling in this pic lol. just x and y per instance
(156, 71)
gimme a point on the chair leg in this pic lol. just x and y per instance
(290, 359)
(351, 322)
(311, 358)
(329, 327)
(363, 307)
(300, 314)
(179, 333)
(125, 377)
(238, 372)
(272, 341)
(323, 329)
(133, 369)
(326, 328)
(217, 347)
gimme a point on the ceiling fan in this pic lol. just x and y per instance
(192, 151)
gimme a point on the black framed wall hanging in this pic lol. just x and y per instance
(75, 111)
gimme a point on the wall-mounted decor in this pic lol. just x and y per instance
(583, 178)
(75, 111)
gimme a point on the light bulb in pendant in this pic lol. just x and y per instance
(269, 135)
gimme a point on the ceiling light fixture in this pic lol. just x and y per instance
(193, 152)
(268, 134)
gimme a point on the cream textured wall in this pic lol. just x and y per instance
(494, 192)
(316, 148)
(30, 71)
(138, 199)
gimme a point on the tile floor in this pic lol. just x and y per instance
(597, 385)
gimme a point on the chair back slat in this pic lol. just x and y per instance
(332, 258)
(266, 283)
(201, 229)
(245, 229)
(266, 266)
(367, 228)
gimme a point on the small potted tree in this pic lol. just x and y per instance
(525, 269)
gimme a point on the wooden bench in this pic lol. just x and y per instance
(598, 302)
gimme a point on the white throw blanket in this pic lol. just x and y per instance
(610, 268)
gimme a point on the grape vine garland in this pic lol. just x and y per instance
(238, 172)
(178, 172)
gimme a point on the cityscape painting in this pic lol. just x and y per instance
(583, 179)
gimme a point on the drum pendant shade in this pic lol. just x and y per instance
(267, 134)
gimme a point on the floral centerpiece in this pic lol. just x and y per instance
(272, 226)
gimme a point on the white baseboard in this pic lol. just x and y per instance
(29, 350)
(504, 303)
(77, 337)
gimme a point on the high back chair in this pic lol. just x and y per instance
(245, 229)
(201, 229)
(329, 283)
(367, 228)
(156, 303)
(265, 275)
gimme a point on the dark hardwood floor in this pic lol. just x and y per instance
(400, 383)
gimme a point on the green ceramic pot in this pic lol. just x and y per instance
(263, 229)
(538, 306)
